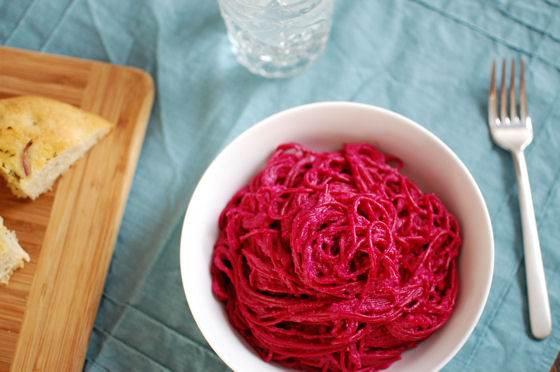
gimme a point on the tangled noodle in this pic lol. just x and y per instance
(335, 261)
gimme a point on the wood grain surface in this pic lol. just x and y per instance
(48, 309)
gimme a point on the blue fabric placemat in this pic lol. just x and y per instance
(426, 59)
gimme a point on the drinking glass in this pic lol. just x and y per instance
(277, 38)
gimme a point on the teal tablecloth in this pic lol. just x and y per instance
(426, 59)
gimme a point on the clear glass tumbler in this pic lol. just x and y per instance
(277, 38)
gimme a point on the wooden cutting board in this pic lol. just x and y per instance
(47, 311)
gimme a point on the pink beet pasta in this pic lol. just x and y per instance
(335, 261)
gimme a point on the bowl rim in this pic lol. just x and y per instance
(348, 105)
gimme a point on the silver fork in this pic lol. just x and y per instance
(514, 133)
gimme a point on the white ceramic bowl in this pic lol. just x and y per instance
(326, 126)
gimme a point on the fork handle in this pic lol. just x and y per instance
(539, 307)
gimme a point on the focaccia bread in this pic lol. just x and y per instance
(40, 138)
(11, 253)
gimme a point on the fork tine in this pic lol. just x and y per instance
(512, 92)
(492, 99)
(522, 93)
(503, 96)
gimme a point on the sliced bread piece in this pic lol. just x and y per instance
(40, 138)
(11, 253)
